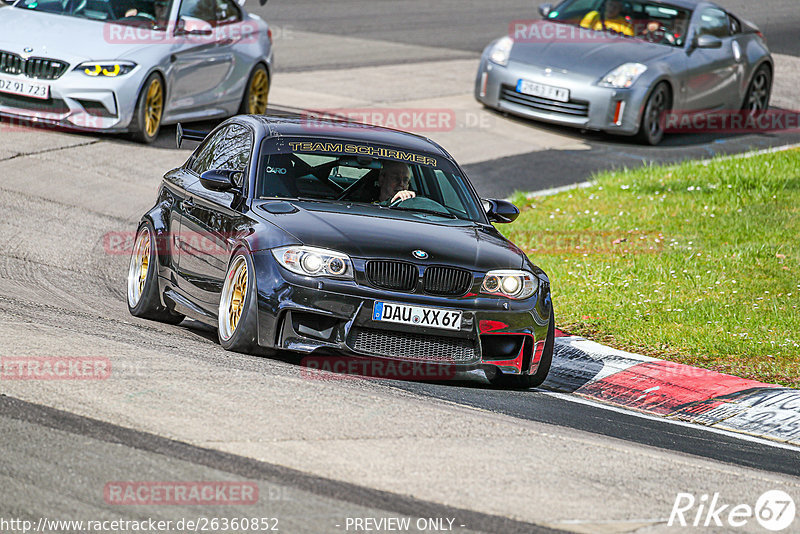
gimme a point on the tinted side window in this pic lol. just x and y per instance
(229, 149)
(233, 151)
(714, 22)
(205, 154)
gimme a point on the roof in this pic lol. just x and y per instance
(342, 130)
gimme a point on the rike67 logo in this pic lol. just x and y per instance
(774, 510)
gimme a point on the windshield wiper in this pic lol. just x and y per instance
(423, 210)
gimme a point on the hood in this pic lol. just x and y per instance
(576, 50)
(70, 39)
(368, 232)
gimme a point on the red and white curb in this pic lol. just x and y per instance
(675, 391)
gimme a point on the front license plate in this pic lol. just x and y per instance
(22, 87)
(416, 316)
(544, 91)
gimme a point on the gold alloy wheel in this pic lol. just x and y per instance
(258, 93)
(153, 107)
(234, 293)
(140, 264)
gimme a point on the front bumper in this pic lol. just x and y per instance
(79, 102)
(305, 314)
(590, 106)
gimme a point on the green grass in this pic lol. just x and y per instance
(695, 263)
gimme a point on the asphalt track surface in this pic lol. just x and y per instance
(496, 461)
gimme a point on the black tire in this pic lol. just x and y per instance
(525, 381)
(759, 91)
(140, 128)
(142, 292)
(243, 336)
(247, 107)
(651, 127)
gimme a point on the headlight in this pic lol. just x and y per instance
(310, 261)
(501, 50)
(623, 76)
(106, 69)
(512, 284)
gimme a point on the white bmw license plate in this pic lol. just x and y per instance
(544, 91)
(416, 315)
(23, 87)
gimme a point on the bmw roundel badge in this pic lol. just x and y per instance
(420, 254)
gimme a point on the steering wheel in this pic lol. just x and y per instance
(424, 203)
(659, 35)
(141, 16)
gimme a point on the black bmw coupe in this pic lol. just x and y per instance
(301, 235)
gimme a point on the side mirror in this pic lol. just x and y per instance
(500, 211)
(220, 180)
(193, 26)
(708, 41)
(545, 9)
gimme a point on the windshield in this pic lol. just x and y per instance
(150, 13)
(403, 181)
(650, 21)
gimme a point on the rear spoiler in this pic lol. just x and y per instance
(191, 135)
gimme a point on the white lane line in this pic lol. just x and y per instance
(745, 437)
(752, 153)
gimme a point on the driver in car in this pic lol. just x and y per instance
(612, 19)
(159, 13)
(393, 181)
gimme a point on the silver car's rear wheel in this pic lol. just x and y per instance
(651, 130)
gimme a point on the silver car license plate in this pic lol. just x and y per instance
(541, 90)
(22, 87)
(416, 315)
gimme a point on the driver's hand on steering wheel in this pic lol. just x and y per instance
(131, 13)
(402, 195)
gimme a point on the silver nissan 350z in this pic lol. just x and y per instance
(131, 65)
(622, 66)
